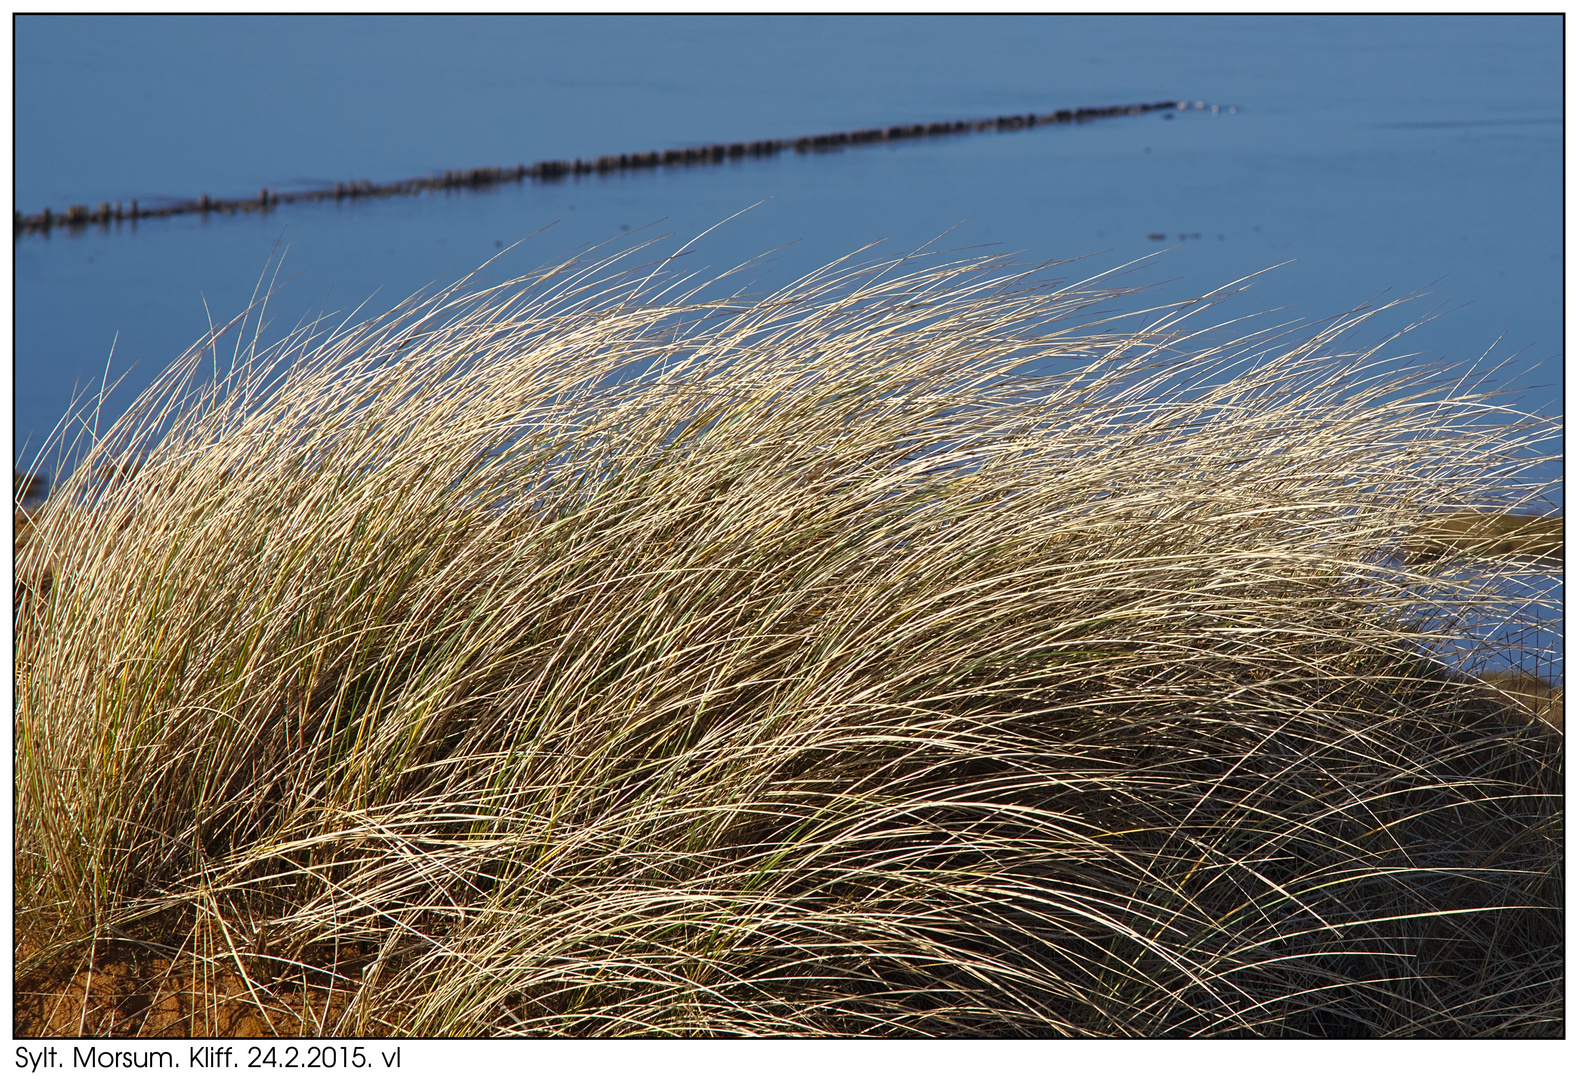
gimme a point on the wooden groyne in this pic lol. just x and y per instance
(76, 218)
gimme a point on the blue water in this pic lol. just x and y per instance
(1383, 155)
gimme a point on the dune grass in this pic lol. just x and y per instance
(1489, 535)
(589, 656)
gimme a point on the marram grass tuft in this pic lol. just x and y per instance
(583, 656)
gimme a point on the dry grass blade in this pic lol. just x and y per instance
(592, 656)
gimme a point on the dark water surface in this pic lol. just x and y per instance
(1384, 155)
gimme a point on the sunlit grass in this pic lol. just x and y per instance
(588, 656)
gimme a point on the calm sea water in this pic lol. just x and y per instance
(1381, 155)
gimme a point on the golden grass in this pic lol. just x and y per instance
(1490, 535)
(585, 656)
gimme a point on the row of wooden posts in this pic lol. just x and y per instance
(77, 217)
